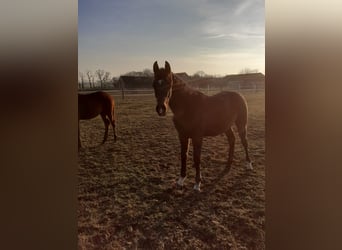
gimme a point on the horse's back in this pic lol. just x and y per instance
(93, 104)
(227, 102)
(99, 96)
(209, 115)
(222, 110)
(231, 96)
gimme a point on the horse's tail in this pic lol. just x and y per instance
(241, 123)
(113, 118)
(113, 110)
(242, 116)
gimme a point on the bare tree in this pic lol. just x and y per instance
(103, 76)
(100, 74)
(90, 78)
(115, 81)
(131, 73)
(106, 77)
(200, 73)
(248, 71)
(147, 72)
(81, 77)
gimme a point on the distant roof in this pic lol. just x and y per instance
(146, 81)
(183, 76)
(230, 80)
(136, 78)
(251, 76)
(137, 81)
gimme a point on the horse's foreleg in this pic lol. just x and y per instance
(231, 140)
(197, 144)
(184, 141)
(111, 117)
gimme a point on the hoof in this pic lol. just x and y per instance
(177, 186)
(180, 181)
(249, 165)
(197, 187)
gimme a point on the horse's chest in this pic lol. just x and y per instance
(201, 124)
(187, 125)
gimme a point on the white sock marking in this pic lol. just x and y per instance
(197, 187)
(180, 181)
(249, 165)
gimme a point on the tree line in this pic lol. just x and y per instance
(98, 79)
(101, 79)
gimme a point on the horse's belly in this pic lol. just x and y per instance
(201, 129)
(87, 116)
(86, 113)
(215, 125)
(215, 130)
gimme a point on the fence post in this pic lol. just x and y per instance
(122, 85)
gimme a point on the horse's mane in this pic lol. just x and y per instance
(180, 84)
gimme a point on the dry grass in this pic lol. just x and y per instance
(126, 199)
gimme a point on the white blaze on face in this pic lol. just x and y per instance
(180, 181)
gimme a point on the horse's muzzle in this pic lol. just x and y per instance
(161, 110)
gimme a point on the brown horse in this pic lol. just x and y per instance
(94, 104)
(197, 115)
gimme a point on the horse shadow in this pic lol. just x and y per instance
(188, 200)
(183, 203)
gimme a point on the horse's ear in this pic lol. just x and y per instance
(155, 67)
(167, 67)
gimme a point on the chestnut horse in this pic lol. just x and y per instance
(197, 115)
(94, 104)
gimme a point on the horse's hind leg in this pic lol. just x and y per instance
(112, 122)
(243, 136)
(231, 140)
(106, 123)
(113, 126)
(197, 145)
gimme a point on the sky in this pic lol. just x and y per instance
(218, 37)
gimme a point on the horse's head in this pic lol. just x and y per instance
(162, 85)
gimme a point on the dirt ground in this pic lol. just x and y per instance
(125, 194)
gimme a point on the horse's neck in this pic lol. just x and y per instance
(179, 96)
(174, 103)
